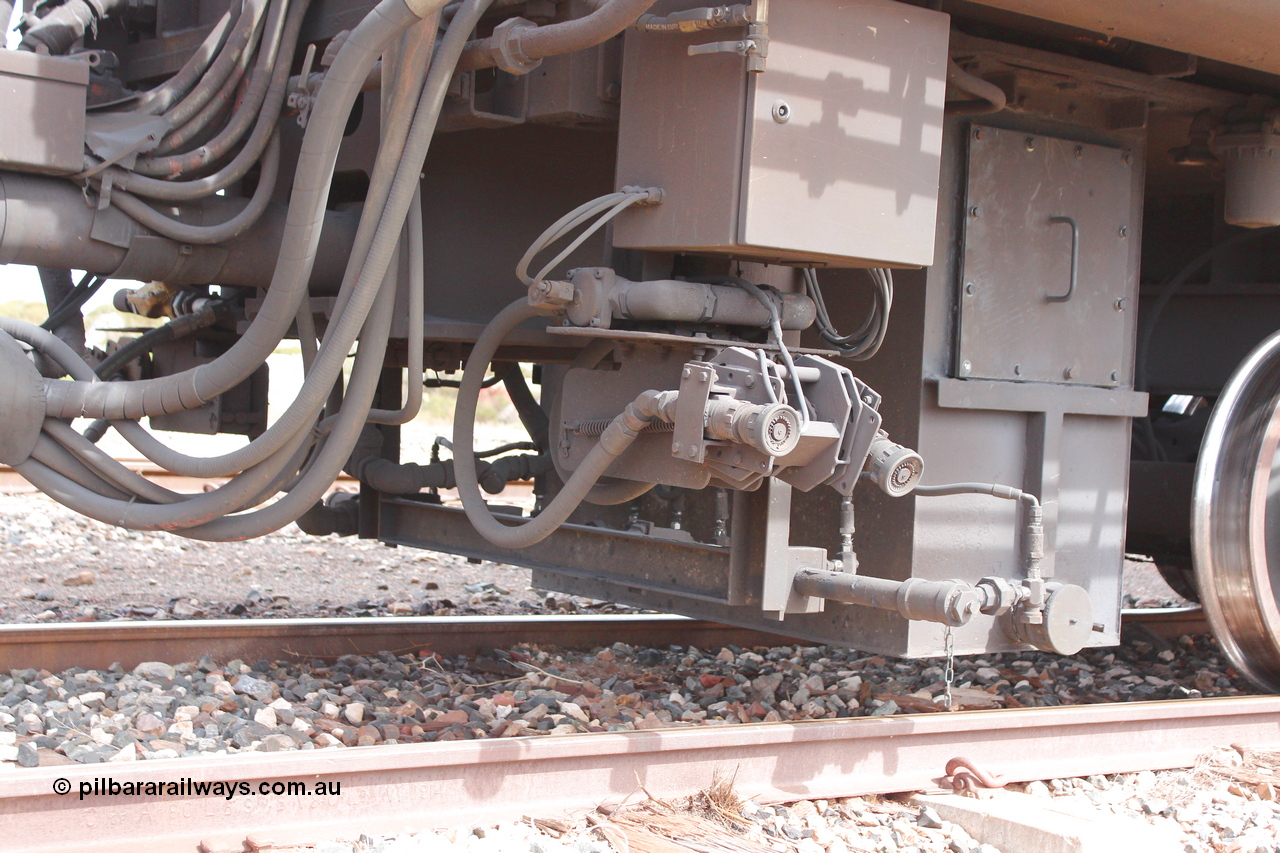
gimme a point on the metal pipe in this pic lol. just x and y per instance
(530, 44)
(951, 602)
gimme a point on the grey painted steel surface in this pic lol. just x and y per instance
(1029, 311)
(1241, 32)
(830, 155)
(1235, 517)
(44, 98)
(449, 784)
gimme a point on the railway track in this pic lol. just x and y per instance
(448, 783)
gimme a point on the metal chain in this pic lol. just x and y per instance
(949, 673)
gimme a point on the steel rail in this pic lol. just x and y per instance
(96, 645)
(394, 788)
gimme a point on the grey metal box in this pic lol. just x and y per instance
(829, 155)
(1047, 294)
(42, 100)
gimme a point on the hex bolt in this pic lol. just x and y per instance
(781, 112)
(675, 447)
(693, 451)
(687, 373)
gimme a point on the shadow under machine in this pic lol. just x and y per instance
(883, 324)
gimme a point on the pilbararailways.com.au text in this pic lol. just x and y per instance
(188, 787)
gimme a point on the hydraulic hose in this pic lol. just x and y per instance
(535, 43)
(241, 40)
(208, 234)
(172, 90)
(350, 313)
(616, 438)
(192, 388)
(61, 28)
(991, 98)
(265, 118)
(254, 91)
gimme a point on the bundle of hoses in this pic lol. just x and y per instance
(303, 451)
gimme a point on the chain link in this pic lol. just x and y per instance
(949, 673)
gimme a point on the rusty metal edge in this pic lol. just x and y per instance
(60, 646)
(97, 645)
(391, 789)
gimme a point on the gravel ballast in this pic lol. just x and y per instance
(159, 710)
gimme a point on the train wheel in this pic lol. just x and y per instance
(1235, 517)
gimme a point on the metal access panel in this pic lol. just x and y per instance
(828, 155)
(1045, 288)
(42, 101)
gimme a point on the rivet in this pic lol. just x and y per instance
(1120, 303)
(965, 367)
(1126, 158)
(1031, 143)
(1017, 370)
(1079, 151)
(1124, 231)
(973, 212)
(1069, 373)
(969, 289)
(977, 133)
(1115, 376)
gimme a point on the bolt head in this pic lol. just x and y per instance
(693, 451)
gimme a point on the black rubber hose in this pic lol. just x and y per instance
(530, 413)
(61, 28)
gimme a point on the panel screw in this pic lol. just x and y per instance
(977, 133)
(969, 289)
(1031, 143)
(965, 367)
(1069, 373)
(973, 212)
(1124, 231)
(781, 112)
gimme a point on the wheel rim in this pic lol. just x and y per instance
(1235, 523)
